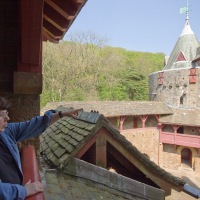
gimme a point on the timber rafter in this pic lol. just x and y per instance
(58, 17)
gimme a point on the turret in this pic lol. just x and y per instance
(178, 84)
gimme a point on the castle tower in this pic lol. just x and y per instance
(178, 84)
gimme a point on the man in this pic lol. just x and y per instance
(11, 177)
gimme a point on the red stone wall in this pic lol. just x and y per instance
(191, 131)
(169, 157)
(129, 122)
(197, 164)
(165, 155)
(146, 140)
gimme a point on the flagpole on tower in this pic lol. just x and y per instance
(187, 11)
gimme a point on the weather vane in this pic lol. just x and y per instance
(185, 10)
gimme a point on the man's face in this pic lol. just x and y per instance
(3, 119)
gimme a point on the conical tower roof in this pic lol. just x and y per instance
(184, 50)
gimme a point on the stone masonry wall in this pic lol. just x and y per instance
(175, 85)
(129, 122)
(145, 140)
(169, 157)
(191, 131)
(197, 164)
(164, 155)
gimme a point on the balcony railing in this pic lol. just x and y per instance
(30, 169)
(180, 139)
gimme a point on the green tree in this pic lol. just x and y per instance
(84, 68)
(134, 84)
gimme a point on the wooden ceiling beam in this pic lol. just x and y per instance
(58, 15)
(79, 1)
(51, 34)
(47, 36)
(59, 10)
(54, 30)
(50, 20)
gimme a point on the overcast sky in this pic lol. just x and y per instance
(142, 25)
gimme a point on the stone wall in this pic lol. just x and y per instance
(129, 122)
(191, 131)
(164, 155)
(169, 157)
(197, 164)
(175, 85)
(151, 121)
(24, 107)
(145, 140)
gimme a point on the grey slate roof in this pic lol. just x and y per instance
(185, 117)
(197, 57)
(62, 140)
(187, 44)
(82, 181)
(115, 108)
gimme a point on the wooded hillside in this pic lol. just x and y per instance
(85, 69)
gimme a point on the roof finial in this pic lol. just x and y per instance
(185, 10)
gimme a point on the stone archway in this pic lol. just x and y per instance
(186, 157)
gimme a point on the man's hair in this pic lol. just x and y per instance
(4, 103)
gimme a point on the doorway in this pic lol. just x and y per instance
(186, 157)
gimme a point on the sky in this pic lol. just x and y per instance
(142, 25)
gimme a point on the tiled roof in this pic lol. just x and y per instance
(197, 57)
(82, 181)
(186, 117)
(67, 136)
(187, 44)
(115, 108)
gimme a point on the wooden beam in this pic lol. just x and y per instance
(101, 151)
(79, 1)
(120, 158)
(54, 23)
(51, 28)
(31, 170)
(31, 34)
(50, 34)
(47, 36)
(59, 10)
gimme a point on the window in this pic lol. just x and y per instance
(193, 75)
(160, 78)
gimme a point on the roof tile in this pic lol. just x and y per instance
(54, 147)
(113, 108)
(51, 157)
(72, 146)
(89, 127)
(44, 146)
(69, 148)
(59, 152)
(51, 142)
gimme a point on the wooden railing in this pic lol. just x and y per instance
(30, 169)
(180, 139)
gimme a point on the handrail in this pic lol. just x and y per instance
(30, 169)
(180, 139)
